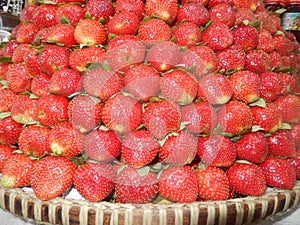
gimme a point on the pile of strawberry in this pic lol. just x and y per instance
(135, 101)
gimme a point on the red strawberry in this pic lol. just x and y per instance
(281, 144)
(252, 146)
(193, 12)
(3, 69)
(9, 131)
(61, 34)
(53, 58)
(142, 81)
(80, 59)
(123, 23)
(154, 30)
(216, 150)
(164, 10)
(51, 176)
(179, 149)
(289, 108)
(200, 117)
(5, 152)
(200, 60)
(20, 53)
(139, 148)
(23, 110)
(279, 173)
(100, 9)
(218, 36)
(64, 140)
(211, 3)
(179, 86)
(103, 146)
(246, 86)
(258, 61)
(89, 32)
(296, 134)
(243, 14)
(283, 44)
(34, 140)
(235, 118)
(245, 36)
(94, 181)
(8, 49)
(289, 83)
(247, 179)
(32, 63)
(295, 162)
(122, 114)
(178, 184)
(265, 41)
(44, 15)
(213, 183)
(231, 58)
(271, 85)
(16, 171)
(132, 187)
(223, 13)
(187, 34)
(161, 118)
(65, 82)
(27, 13)
(135, 6)
(163, 55)
(26, 32)
(7, 97)
(267, 118)
(85, 112)
(102, 83)
(70, 12)
(58, 112)
(250, 4)
(215, 88)
(40, 84)
(18, 80)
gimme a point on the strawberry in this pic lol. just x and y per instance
(65, 82)
(295, 162)
(246, 86)
(283, 44)
(200, 60)
(215, 88)
(164, 10)
(100, 9)
(81, 58)
(32, 63)
(26, 32)
(5, 152)
(223, 13)
(123, 23)
(163, 55)
(132, 187)
(139, 148)
(84, 112)
(179, 86)
(289, 82)
(247, 179)
(213, 183)
(246, 36)
(250, 4)
(231, 58)
(102, 146)
(271, 85)
(102, 83)
(89, 32)
(44, 15)
(7, 97)
(267, 118)
(279, 173)
(122, 114)
(61, 34)
(20, 52)
(64, 140)
(265, 41)
(178, 184)
(187, 34)
(289, 108)
(154, 30)
(135, 6)
(16, 171)
(58, 112)
(3, 69)
(51, 176)
(53, 58)
(27, 13)
(296, 134)
(216, 150)
(94, 181)
(281, 144)
(193, 12)
(179, 149)
(142, 81)
(235, 118)
(258, 61)
(200, 117)
(71, 12)
(161, 118)
(202, 2)
(40, 85)
(252, 146)
(243, 14)
(23, 110)
(9, 131)
(218, 36)
(9, 48)
(211, 3)
(34, 140)
(18, 80)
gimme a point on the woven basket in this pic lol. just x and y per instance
(70, 212)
